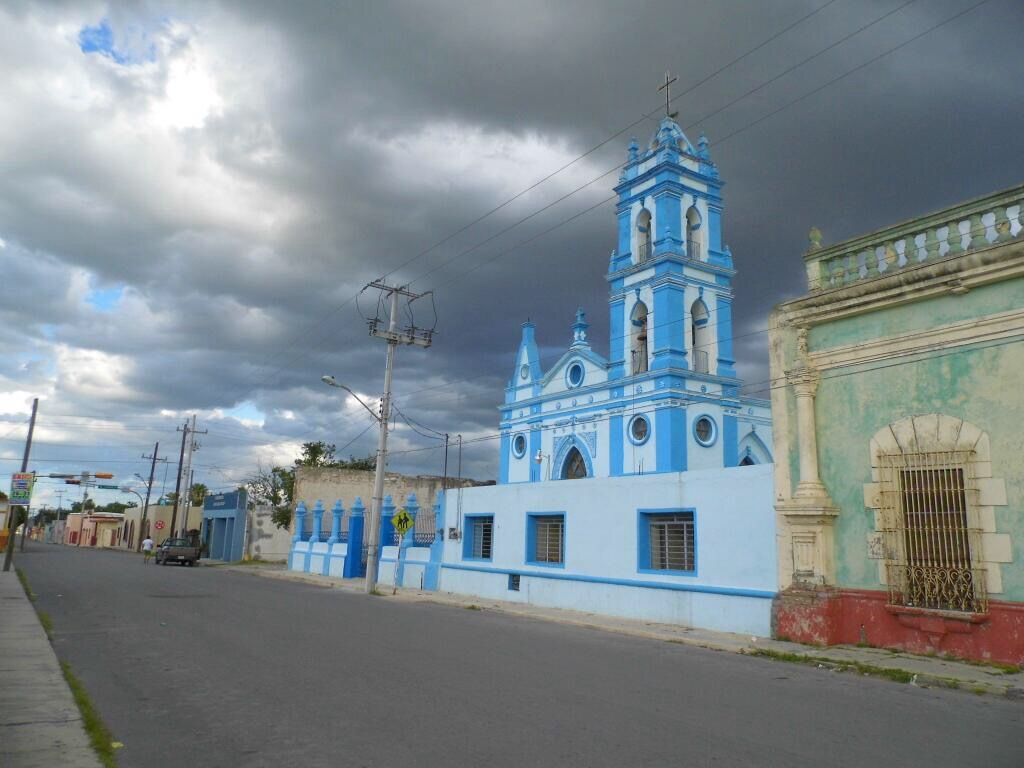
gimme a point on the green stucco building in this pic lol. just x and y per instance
(898, 404)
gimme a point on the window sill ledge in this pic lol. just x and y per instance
(546, 565)
(937, 622)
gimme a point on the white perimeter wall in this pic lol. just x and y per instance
(735, 574)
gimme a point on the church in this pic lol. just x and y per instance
(670, 513)
(666, 398)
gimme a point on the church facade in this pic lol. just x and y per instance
(626, 486)
(667, 397)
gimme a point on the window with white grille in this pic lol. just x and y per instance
(671, 540)
(481, 537)
(931, 536)
(548, 538)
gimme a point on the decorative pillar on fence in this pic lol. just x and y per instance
(300, 523)
(354, 558)
(387, 530)
(432, 572)
(300, 520)
(336, 514)
(318, 521)
(408, 540)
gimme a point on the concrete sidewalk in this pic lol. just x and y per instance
(924, 671)
(40, 724)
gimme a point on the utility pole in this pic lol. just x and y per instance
(13, 512)
(60, 502)
(187, 474)
(149, 489)
(409, 335)
(177, 485)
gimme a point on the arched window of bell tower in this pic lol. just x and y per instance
(694, 234)
(643, 236)
(700, 336)
(638, 337)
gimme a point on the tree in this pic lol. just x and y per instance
(199, 491)
(274, 487)
(316, 454)
(170, 498)
(3, 496)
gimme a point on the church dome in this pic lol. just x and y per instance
(671, 134)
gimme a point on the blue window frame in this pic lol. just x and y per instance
(519, 445)
(478, 541)
(667, 541)
(545, 539)
(575, 374)
(639, 429)
(705, 430)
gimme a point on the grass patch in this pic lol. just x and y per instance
(896, 675)
(472, 607)
(24, 584)
(47, 622)
(99, 735)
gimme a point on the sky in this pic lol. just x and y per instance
(193, 195)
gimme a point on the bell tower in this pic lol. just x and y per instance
(670, 262)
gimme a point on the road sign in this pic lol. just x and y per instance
(159, 525)
(402, 521)
(110, 487)
(21, 488)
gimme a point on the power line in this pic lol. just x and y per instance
(446, 239)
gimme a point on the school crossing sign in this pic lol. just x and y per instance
(402, 521)
(21, 488)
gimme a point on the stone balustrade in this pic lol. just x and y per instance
(980, 223)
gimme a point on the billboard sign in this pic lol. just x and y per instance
(21, 488)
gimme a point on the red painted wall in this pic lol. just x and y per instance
(847, 617)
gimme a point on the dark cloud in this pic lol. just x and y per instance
(271, 158)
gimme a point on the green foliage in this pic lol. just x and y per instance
(365, 463)
(199, 491)
(99, 735)
(316, 454)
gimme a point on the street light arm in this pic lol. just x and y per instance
(332, 382)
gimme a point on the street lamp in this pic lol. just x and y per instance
(332, 382)
(127, 489)
(373, 543)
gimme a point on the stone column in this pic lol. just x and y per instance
(804, 381)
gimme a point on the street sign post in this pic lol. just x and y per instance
(402, 521)
(21, 488)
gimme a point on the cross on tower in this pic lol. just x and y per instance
(666, 88)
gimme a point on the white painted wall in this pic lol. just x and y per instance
(735, 546)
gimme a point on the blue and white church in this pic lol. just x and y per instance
(667, 398)
(637, 484)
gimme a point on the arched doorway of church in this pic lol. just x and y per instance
(574, 467)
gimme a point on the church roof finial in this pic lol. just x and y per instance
(579, 329)
(666, 87)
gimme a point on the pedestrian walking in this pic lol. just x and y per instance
(147, 549)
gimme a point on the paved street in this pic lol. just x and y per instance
(203, 666)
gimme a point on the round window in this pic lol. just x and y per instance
(524, 372)
(704, 430)
(519, 446)
(639, 430)
(575, 375)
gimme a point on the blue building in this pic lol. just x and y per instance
(667, 397)
(224, 520)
